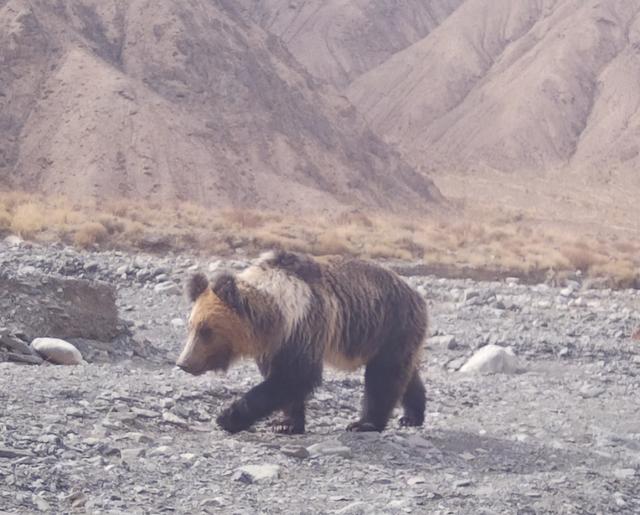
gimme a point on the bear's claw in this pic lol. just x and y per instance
(410, 421)
(287, 427)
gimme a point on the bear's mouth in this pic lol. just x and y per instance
(220, 361)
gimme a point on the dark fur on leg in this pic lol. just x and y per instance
(413, 402)
(385, 380)
(291, 379)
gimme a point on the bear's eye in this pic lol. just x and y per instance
(205, 332)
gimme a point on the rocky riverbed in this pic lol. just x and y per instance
(128, 433)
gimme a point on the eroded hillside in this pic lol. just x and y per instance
(180, 100)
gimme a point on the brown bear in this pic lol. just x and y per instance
(292, 313)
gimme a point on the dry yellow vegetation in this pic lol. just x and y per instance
(491, 247)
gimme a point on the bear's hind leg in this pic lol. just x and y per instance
(413, 401)
(385, 380)
(293, 421)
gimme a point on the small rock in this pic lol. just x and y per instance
(14, 343)
(564, 352)
(462, 483)
(132, 455)
(590, 392)
(8, 453)
(257, 473)
(416, 480)
(57, 351)
(443, 342)
(41, 504)
(172, 418)
(13, 241)
(145, 413)
(493, 359)
(625, 473)
(177, 323)
(162, 450)
(329, 448)
(167, 287)
(30, 359)
(295, 452)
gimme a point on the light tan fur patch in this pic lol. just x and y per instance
(291, 295)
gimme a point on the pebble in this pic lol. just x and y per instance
(167, 288)
(257, 473)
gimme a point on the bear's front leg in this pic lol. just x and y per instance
(257, 403)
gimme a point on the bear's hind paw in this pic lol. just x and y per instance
(411, 421)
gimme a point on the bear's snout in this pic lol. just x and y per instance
(190, 370)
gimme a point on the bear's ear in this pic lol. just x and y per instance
(225, 287)
(196, 286)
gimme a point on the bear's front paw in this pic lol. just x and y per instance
(232, 419)
(288, 426)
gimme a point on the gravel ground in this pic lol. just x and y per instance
(137, 436)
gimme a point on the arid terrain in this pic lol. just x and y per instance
(486, 150)
(129, 433)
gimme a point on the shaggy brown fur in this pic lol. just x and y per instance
(291, 313)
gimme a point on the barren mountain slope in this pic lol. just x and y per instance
(179, 99)
(337, 40)
(512, 86)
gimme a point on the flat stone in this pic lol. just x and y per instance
(145, 413)
(30, 359)
(329, 448)
(257, 473)
(15, 344)
(8, 453)
(295, 452)
(132, 454)
(171, 418)
(168, 288)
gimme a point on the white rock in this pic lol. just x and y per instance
(256, 473)
(57, 351)
(13, 241)
(167, 288)
(177, 323)
(493, 359)
(329, 448)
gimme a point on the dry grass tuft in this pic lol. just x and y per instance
(89, 234)
(28, 219)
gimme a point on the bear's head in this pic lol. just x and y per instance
(218, 330)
